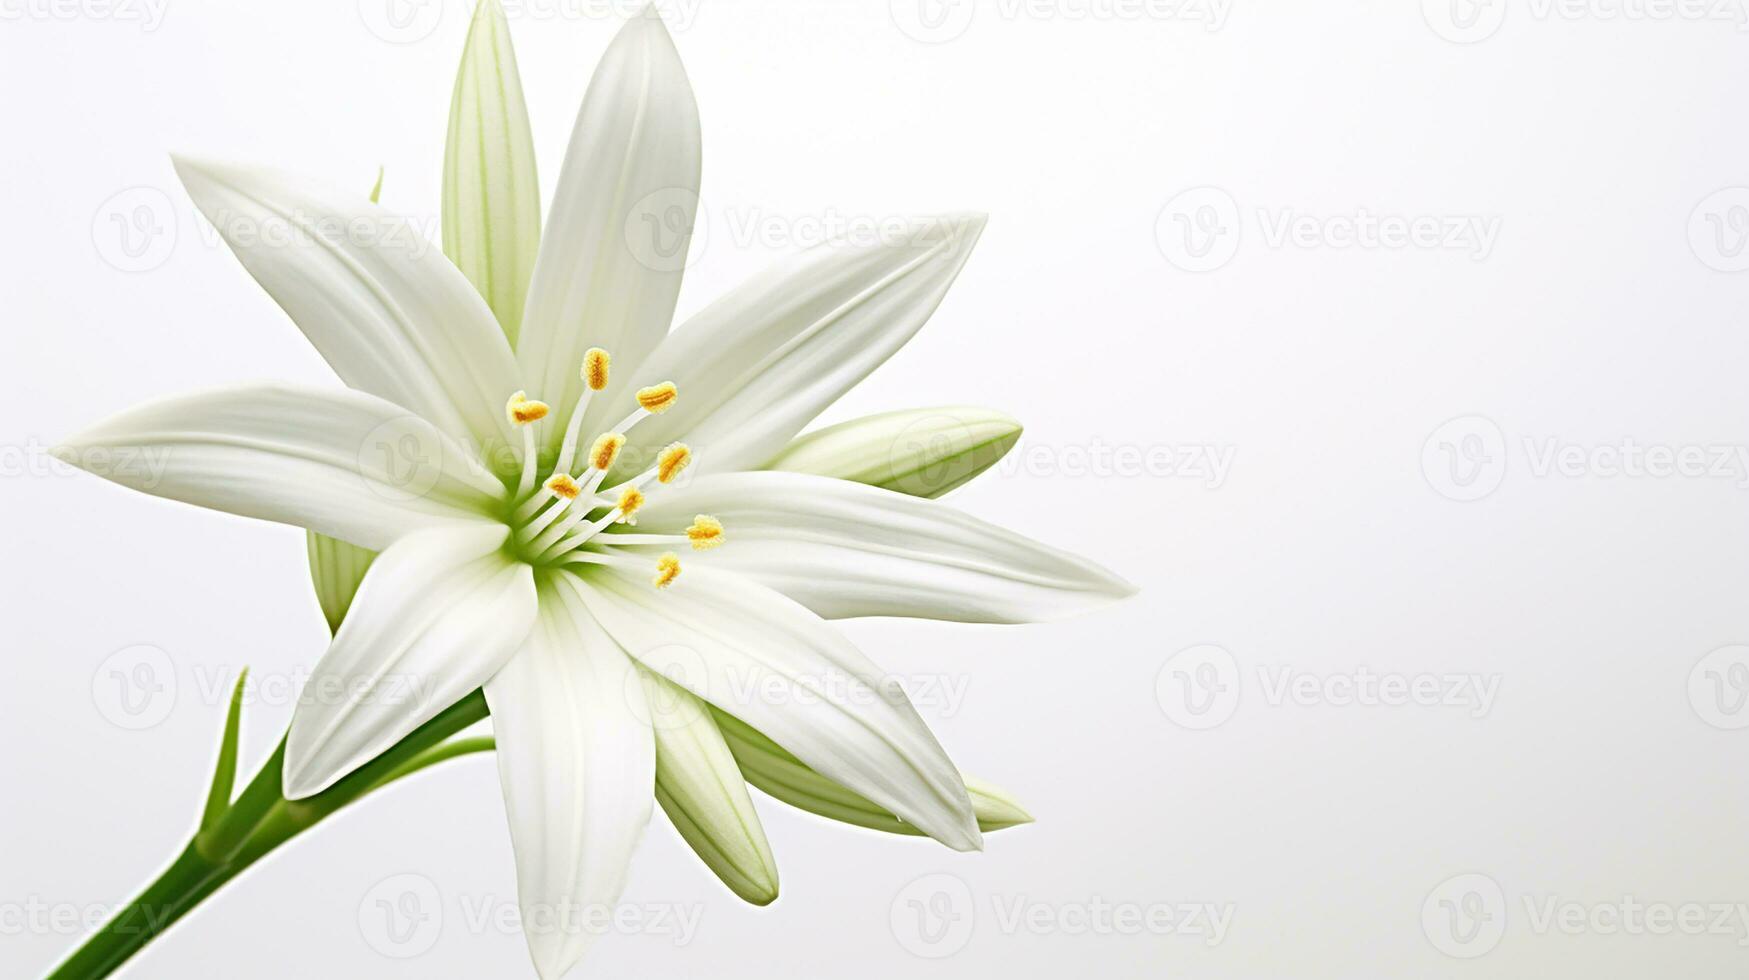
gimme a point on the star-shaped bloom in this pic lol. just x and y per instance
(509, 421)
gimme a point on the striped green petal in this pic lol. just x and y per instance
(491, 198)
(781, 775)
(924, 452)
(336, 568)
(701, 789)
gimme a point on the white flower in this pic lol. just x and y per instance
(507, 561)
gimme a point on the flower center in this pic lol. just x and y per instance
(561, 521)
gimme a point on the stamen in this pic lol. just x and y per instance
(523, 413)
(705, 533)
(629, 502)
(523, 410)
(595, 364)
(658, 398)
(667, 570)
(671, 461)
(606, 450)
(562, 485)
(594, 375)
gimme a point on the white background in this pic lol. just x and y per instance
(1331, 833)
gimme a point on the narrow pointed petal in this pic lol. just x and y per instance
(438, 614)
(924, 452)
(336, 570)
(342, 463)
(491, 195)
(390, 314)
(782, 776)
(704, 794)
(577, 764)
(759, 364)
(773, 664)
(844, 549)
(616, 238)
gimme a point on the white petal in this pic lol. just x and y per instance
(491, 197)
(390, 314)
(616, 237)
(768, 661)
(844, 549)
(760, 363)
(343, 463)
(578, 765)
(701, 788)
(438, 614)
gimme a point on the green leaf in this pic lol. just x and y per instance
(491, 197)
(701, 789)
(768, 766)
(218, 798)
(924, 452)
(336, 568)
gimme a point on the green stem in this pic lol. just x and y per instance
(259, 821)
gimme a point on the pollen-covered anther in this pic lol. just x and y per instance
(657, 399)
(595, 364)
(671, 461)
(705, 533)
(606, 450)
(629, 502)
(523, 410)
(667, 570)
(562, 485)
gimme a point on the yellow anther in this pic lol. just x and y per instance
(667, 570)
(629, 502)
(671, 461)
(562, 485)
(606, 450)
(658, 398)
(523, 410)
(595, 368)
(705, 533)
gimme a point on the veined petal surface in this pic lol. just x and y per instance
(925, 452)
(342, 463)
(844, 549)
(437, 615)
(577, 763)
(701, 788)
(390, 314)
(491, 194)
(759, 364)
(616, 238)
(766, 660)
